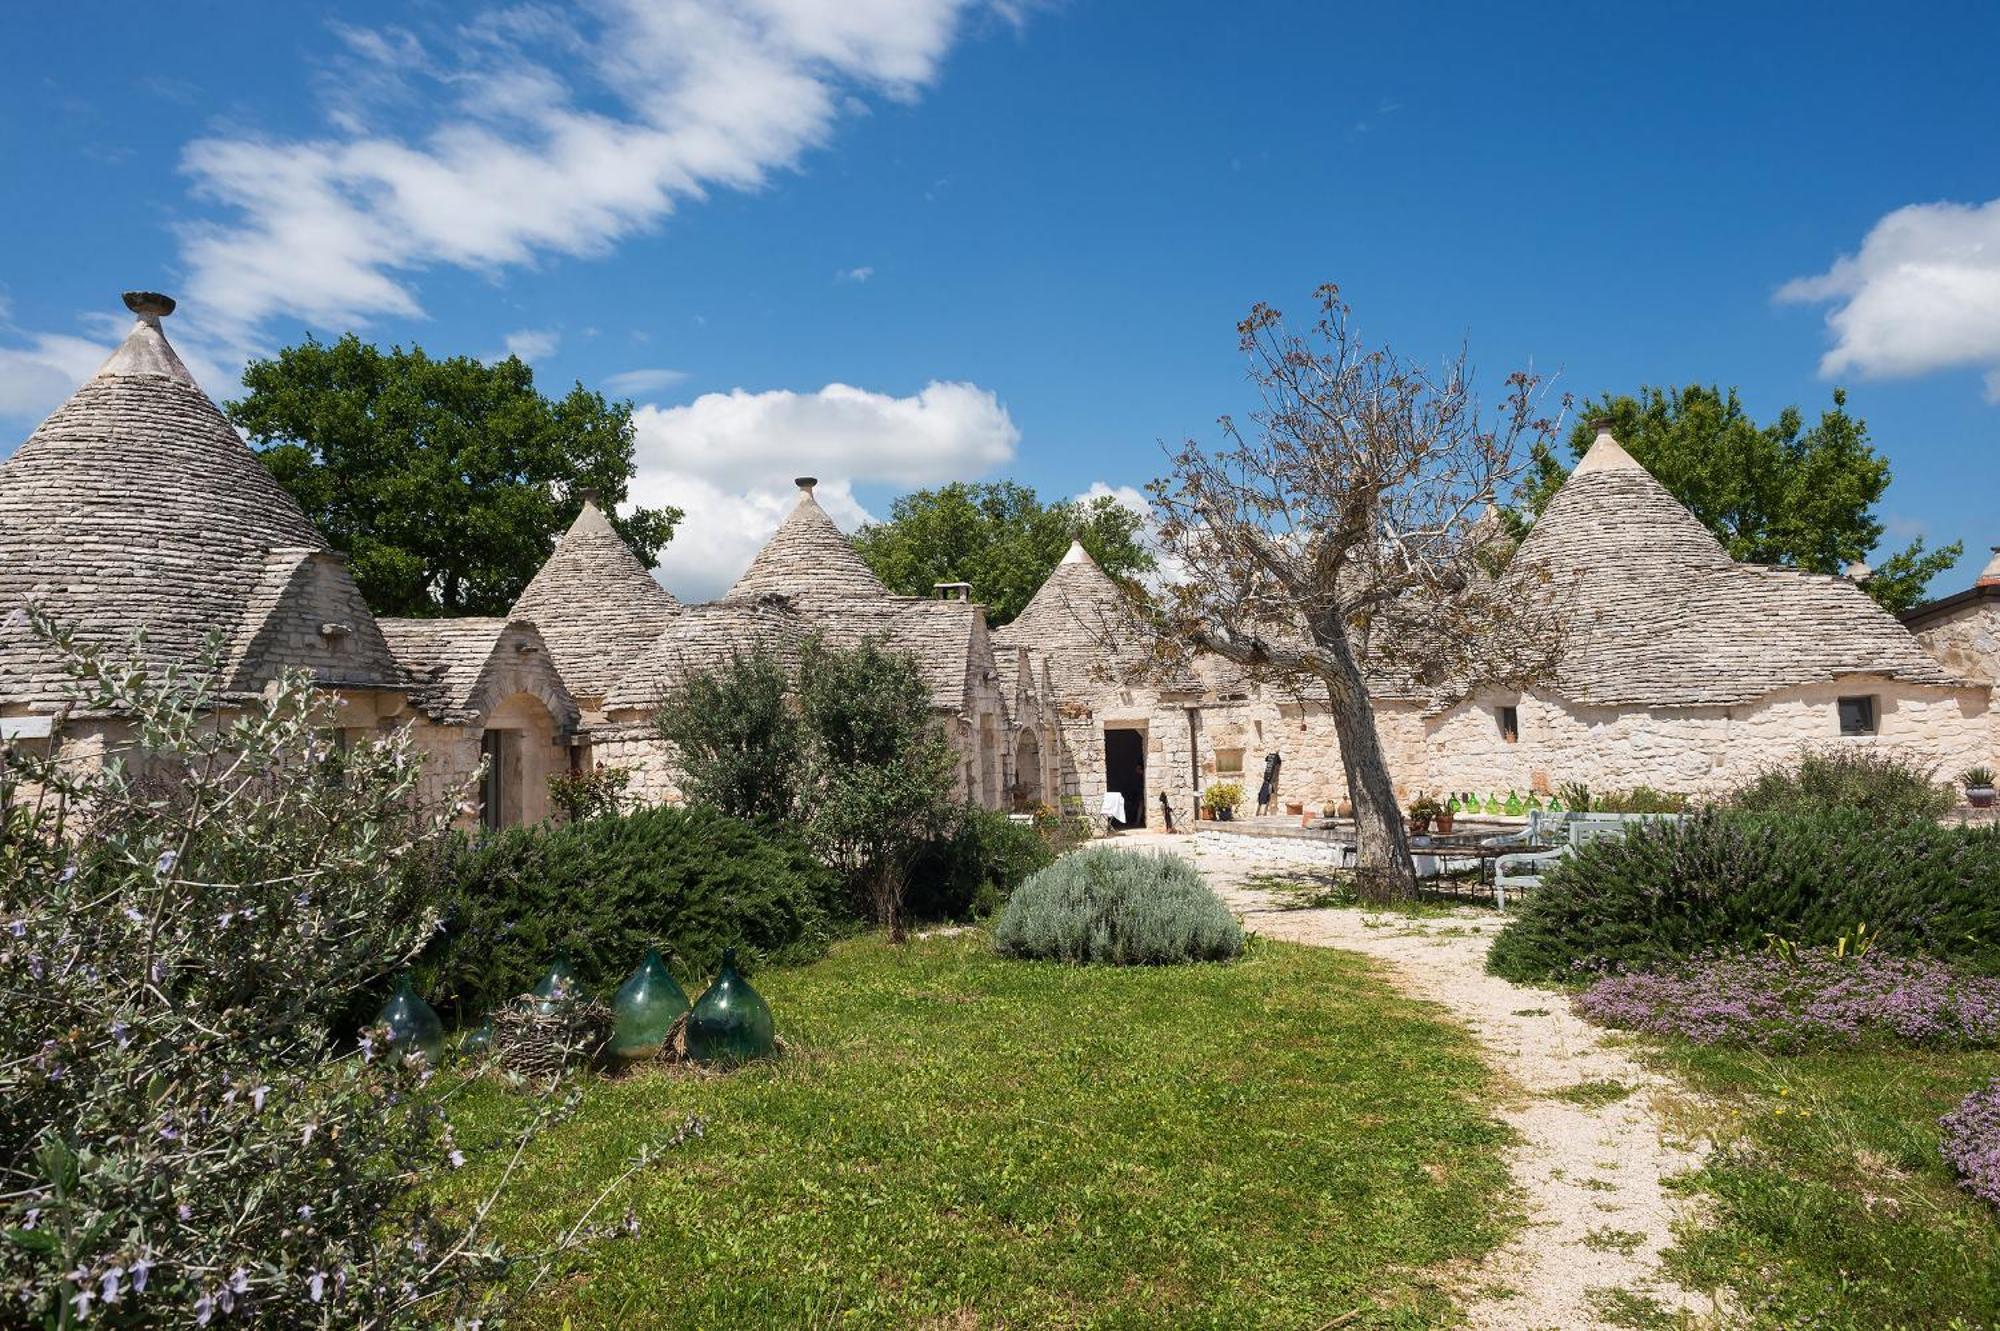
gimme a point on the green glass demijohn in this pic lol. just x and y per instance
(1512, 808)
(477, 1040)
(644, 1010)
(731, 1022)
(412, 1025)
(1492, 802)
(558, 986)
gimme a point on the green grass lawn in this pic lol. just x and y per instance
(1831, 1206)
(959, 1141)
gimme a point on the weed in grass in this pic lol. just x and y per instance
(1531, 1012)
(1593, 1094)
(1627, 1308)
(1614, 1240)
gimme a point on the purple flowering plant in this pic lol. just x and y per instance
(188, 1136)
(1971, 1143)
(1792, 999)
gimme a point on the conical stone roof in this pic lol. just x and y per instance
(809, 559)
(1657, 613)
(136, 504)
(596, 605)
(1079, 622)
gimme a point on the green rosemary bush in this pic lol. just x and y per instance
(1118, 906)
(691, 881)
(184, 1139)
(1883, 787)
(1671, 890)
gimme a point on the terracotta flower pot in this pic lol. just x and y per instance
(1442, 823)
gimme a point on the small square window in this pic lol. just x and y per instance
(1229, 760)
(1857, 716)
(1510, 723)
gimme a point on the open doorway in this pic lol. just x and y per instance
(1125, 771)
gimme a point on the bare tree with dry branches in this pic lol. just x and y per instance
(1350, 538)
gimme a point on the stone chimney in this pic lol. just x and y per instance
(1858, 573)
(952, 591)
(805, 483)
(149, 305)
(1990, 575)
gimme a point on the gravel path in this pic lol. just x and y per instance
(1590, 1173)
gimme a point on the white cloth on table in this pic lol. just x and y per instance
(1113, 806)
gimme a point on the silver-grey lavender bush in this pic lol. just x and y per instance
(1815, 998)
(1972, 1142)
(182, 1140)
(1118, 906)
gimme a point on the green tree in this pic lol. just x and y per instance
(881, 788)
(1776, 494)
(1000, 538)
(445, 482)
(737, 739)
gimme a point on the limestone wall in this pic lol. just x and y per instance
(1696, 751)
(1967, 639)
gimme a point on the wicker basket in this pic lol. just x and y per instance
(535, 1038)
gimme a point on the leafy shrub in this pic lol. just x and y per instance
(976, 868)
(1222, 795)
(1671, 890)
(737, 741)
(1884, 787)
(1118, 906)
(181, 1136)
(1580, 798)
(1787, 1001)
(592, 794)
(689, 880)
(1971, 1143)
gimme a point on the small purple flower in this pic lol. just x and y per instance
(367, 1048)
(109, 1284)
(82, 1299)
(121, 1033)
(305, 1211)
(19, 928)
(165, 864)
(458, 1159)
(239, 1281)
(140, 1267)
(69, 872)
(185, 1211)
(132, 914)
(33, 1217)
(204, 1310)
(222, 920)
(257, 1098)
(316, 1287)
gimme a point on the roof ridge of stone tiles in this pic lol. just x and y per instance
(810, 558)
(1662, 615)
(596, 605)
(137, 505)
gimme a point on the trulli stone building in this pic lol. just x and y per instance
(137, 506)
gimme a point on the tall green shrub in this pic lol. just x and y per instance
(1669, 890)
(690, 880)
(737, 740)
(1884, 787)
(977, 867)
(1118, 906)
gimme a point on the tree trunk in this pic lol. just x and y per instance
(1383, 868)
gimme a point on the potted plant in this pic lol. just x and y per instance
(1221, 800)
(1978, 783)
(1423, 811)
(1444, 820)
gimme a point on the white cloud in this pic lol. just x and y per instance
(531, 344)
(1921, 294)
(728, 460)
(632, 382)
(1168, 569)
(35, 378)
(552, 134)
(855, 275)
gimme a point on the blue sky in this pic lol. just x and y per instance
(893, 242)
